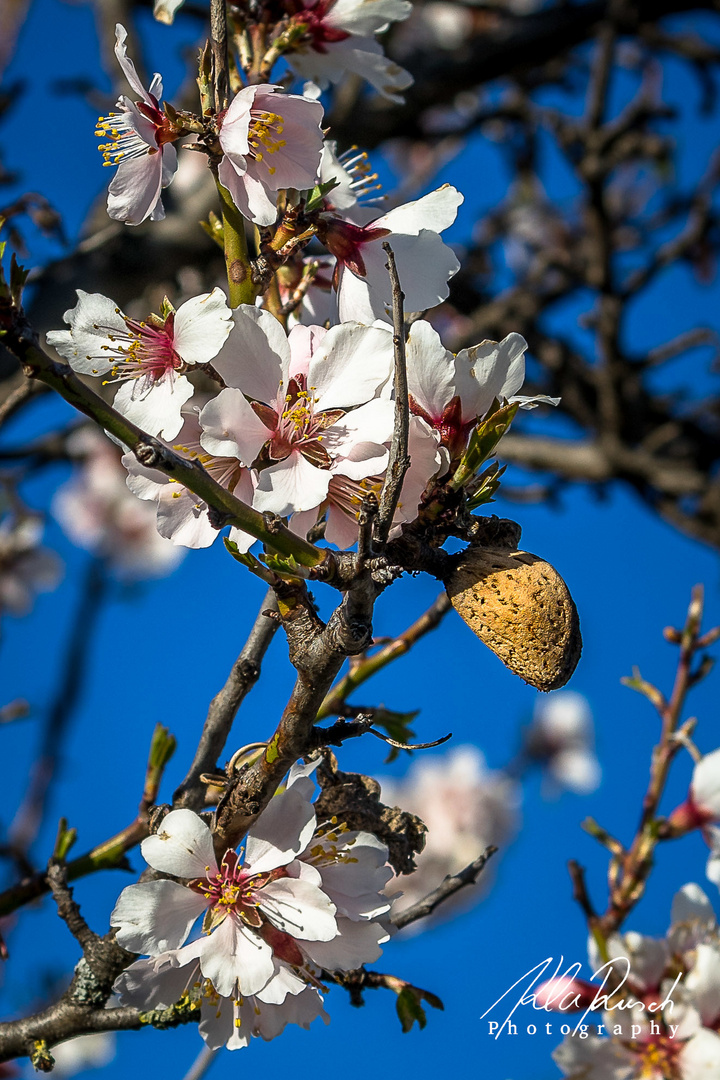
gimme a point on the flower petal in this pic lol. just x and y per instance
(183, 846)
(155, 916)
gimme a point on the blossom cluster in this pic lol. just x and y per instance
(662, 1009)
(302, 898)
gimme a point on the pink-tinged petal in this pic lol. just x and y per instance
(201, 327)
(169, 164)
(233, 953)
(705, 786)
(128, 67)
(93, 321)
(301, 524)
(426, 461)
(699, 1058)
(291, 485)
(155, 916)
(357, 943)
(489, 370)
(367, 16)
(157, 408)
(436, 211)
(304, 342)
(256, 357)
(135, 189)
(365, 459)
(299, 908)
(341, 529)
(235, 126)
(295, 164)
(231, 428)
(248, 193)
(351, 365)
(183, 846)
(283, 830)
(430, 370)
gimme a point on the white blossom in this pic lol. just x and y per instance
(339, 39)
(561, 739)
(269, 140)
(141, 139)
(466, 807)
(149, 359)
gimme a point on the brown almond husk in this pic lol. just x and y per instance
(520, 607)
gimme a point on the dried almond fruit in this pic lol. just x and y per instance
(520, 607)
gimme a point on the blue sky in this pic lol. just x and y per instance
(163, 649)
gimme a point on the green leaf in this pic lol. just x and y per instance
(166, 308)
(409, 1006)
(316, 197)
(64, 841)
(487, 483)
(214, 228)
(482, 443)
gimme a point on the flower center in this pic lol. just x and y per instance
(126, 143)
(318, 31)
(264, 135)
(232, 890)
(346, 242)
(145, 351)
(299, 427)
(658, 1058)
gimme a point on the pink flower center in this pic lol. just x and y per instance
(126, 142)
(232, 890)
(146, 351)
(320, 33)
(298, 427)
(346, 242)
(658, 1057)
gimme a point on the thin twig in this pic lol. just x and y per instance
(447, 888)
(201, 1064)
(29, 817)
(218, 40)
(224, 706)
(402, 644)
(399, 461)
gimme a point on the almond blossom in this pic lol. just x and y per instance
(268, 917)
(339, 39)
(452, 392)
(561, 739)
(181, 515)
(424, 263)
(233, 1021)
(97, 512)
(680, 973)
(149, 359)
(26, 568)
(141, 138)
(701, 810)
(466, 807)
(294, 404)
(269, 140)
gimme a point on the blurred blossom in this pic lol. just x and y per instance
(84, 1052)
(466, 807)
(99, 513)
(681, 973)
(561, 739)
(26, 568)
